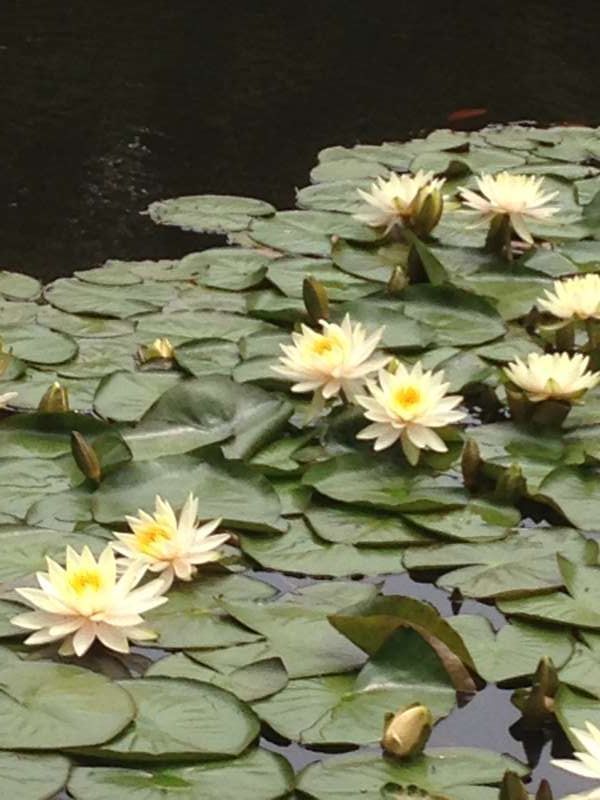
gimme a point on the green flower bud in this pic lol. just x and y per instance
(406, 732)
(429, 205)
(544, 792)
(512, 787)
(397, 282)
(315, 299)
(160, 349)
(55, 399)
(85, 457)
(471, 464)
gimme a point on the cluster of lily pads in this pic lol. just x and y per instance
(138, 379)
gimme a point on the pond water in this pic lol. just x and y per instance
(105, 111)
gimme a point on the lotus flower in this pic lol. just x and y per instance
(552, 375)
(86, 601)
(575, 297)
(586, 761)
(161, 543)
(339, 359)
(398, 199)
(407, 405)
(7, 398)
(519, 197)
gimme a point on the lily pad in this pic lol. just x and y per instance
(258, 774)
(53, 706)
(181, 719)
(209, 212)
(27, 777)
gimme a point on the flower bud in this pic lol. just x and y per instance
(429, 205)
(544, 791)
(315, 299)
(55, 399)
(511, 485)
(512, 787)
(85, 457)
(471, 464)
(397, 282)
(160, 349)
(546, 676)
(406, 732)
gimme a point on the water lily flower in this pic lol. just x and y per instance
(519, 197)
(327, 363)
(86, 601)
(397, 199)
(586, 762)
(7, 398)
(159, 349)
(161, 543)
(407, 405)
(574, 297)
(559, 376)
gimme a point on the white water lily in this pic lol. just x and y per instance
(407, 405)
(162, 543)
(577, 297)
(395, 200)
(86, 601)
(7, 398)
(520, 197)
(336, 360)
(552, 375)
(587, 761)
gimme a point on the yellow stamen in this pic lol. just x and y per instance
(407, 397)
(85, 579)
(150, 536)
(323, 345)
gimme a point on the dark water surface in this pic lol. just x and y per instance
(107, 106)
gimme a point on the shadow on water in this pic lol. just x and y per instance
(107, 107)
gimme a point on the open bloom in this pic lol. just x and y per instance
(407, 405)
(395, 200)
(519, 197)
(161, 543)
(86, 601)
(575, 297)
(552, 375)
(586, 762)
(6, 398)
(339, 359)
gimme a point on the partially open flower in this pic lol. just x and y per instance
(7, 398)
(159, 349)
(587, 761)
(337, 360)
(557, 376)
(162, 543)
(577, 297)
(86, 601)
(407, 405)
(397, 200)
(406, 732)
(519, 197)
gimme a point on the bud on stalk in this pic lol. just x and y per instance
(512, 788)
(406, 733)
(315, 299)
(429, 205)
(55, 399)
(85, 457)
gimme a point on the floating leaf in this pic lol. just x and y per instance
(218, 213)
(27, 777)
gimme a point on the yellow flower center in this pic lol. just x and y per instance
(323, 345)
(406, 398)
(151, 536)
(85, 579)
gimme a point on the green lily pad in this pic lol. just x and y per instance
(575, 492)
(573, 710)
(520, 565)
(195, 616)
(208, 357)
(27, 777)
(181, 719)
(126, 396)
(79, 297)
(478, 521)
(288, 274)
(215, 213)
(258, 774)
(249, 683)
(232, 491)
(512, 652)
(15, 286)
(350, 709)
(37, 344)
(447, 770)
(297, 629)
(582, 671)
(348, 525)
(234, 269)
(53, 706)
